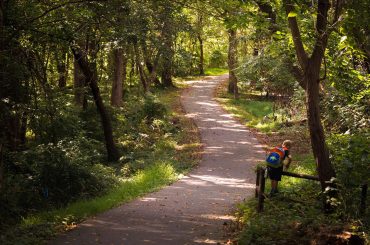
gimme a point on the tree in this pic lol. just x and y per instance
(91, 79)
(232, 62)
(119, 75)
(311, 66)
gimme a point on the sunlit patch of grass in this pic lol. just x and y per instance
(251, 113)
(216, 71)
(147, 180)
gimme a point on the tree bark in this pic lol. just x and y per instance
(311, 78)
(91, 78)
(201, 55)
(143, 78)
(1, 167)
(117, 85)
(317, 135)
(167, 52)
(232, 63)
(151, 65)
(265, 7)
(78, 83)
(62, 69)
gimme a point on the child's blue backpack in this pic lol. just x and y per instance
(275, 156)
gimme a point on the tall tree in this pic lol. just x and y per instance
(232, 62)
(92, 81)
(118, 76)
(311, 66)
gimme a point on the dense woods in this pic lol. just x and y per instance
(81, 82)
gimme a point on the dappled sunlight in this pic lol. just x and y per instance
(229, 129)
(195, 208)
(217, 180)
(238, 142)
(213, 104)
(218, 217)
(148, 199)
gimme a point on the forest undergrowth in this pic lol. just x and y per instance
(69, 180)
(296, 214)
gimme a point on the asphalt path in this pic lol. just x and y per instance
(194, 209)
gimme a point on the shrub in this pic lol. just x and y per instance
(53, 175)
(350, 157)
(217, 59)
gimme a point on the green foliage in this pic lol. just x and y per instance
(348, 84)
(295, 215)
(268, 73)
(185, 63)
(216, 71)
(350, 155)
(55, 174)
(38, 228)
(217, 59)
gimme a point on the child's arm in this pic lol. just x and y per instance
(287, 164)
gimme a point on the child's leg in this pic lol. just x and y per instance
(274, 184)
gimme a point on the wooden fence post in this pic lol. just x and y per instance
(261, 194)
(257, 181)
(363, 199)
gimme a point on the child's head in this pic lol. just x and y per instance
(287, 144)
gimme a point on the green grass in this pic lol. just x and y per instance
(251, 112)
(215, 71)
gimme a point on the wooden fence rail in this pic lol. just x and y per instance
(261, 180)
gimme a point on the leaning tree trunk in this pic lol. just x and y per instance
(232, 63)
(310, 67)
(91, 78)
(317, 135)
(117, 85)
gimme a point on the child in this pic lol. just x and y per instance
(275, 173)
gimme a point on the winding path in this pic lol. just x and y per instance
(194, 209)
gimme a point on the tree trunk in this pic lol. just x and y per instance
(167, 52)
(232, 63)
(117, 92)
(311, 81)
(1, 167)
(319, 148)
(201, 55)
(78, 84)
(151, 66)
(91, 78)
(62, 69)
(142, 75)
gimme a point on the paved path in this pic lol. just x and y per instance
(194, 209)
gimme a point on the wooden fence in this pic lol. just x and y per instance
(261, 181)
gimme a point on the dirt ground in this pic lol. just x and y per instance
(195, 209)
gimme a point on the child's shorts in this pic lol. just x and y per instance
(275, 173)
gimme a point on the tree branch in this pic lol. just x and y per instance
(321, 28)
(293, 25)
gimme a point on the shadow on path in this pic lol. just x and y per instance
(194, 209)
